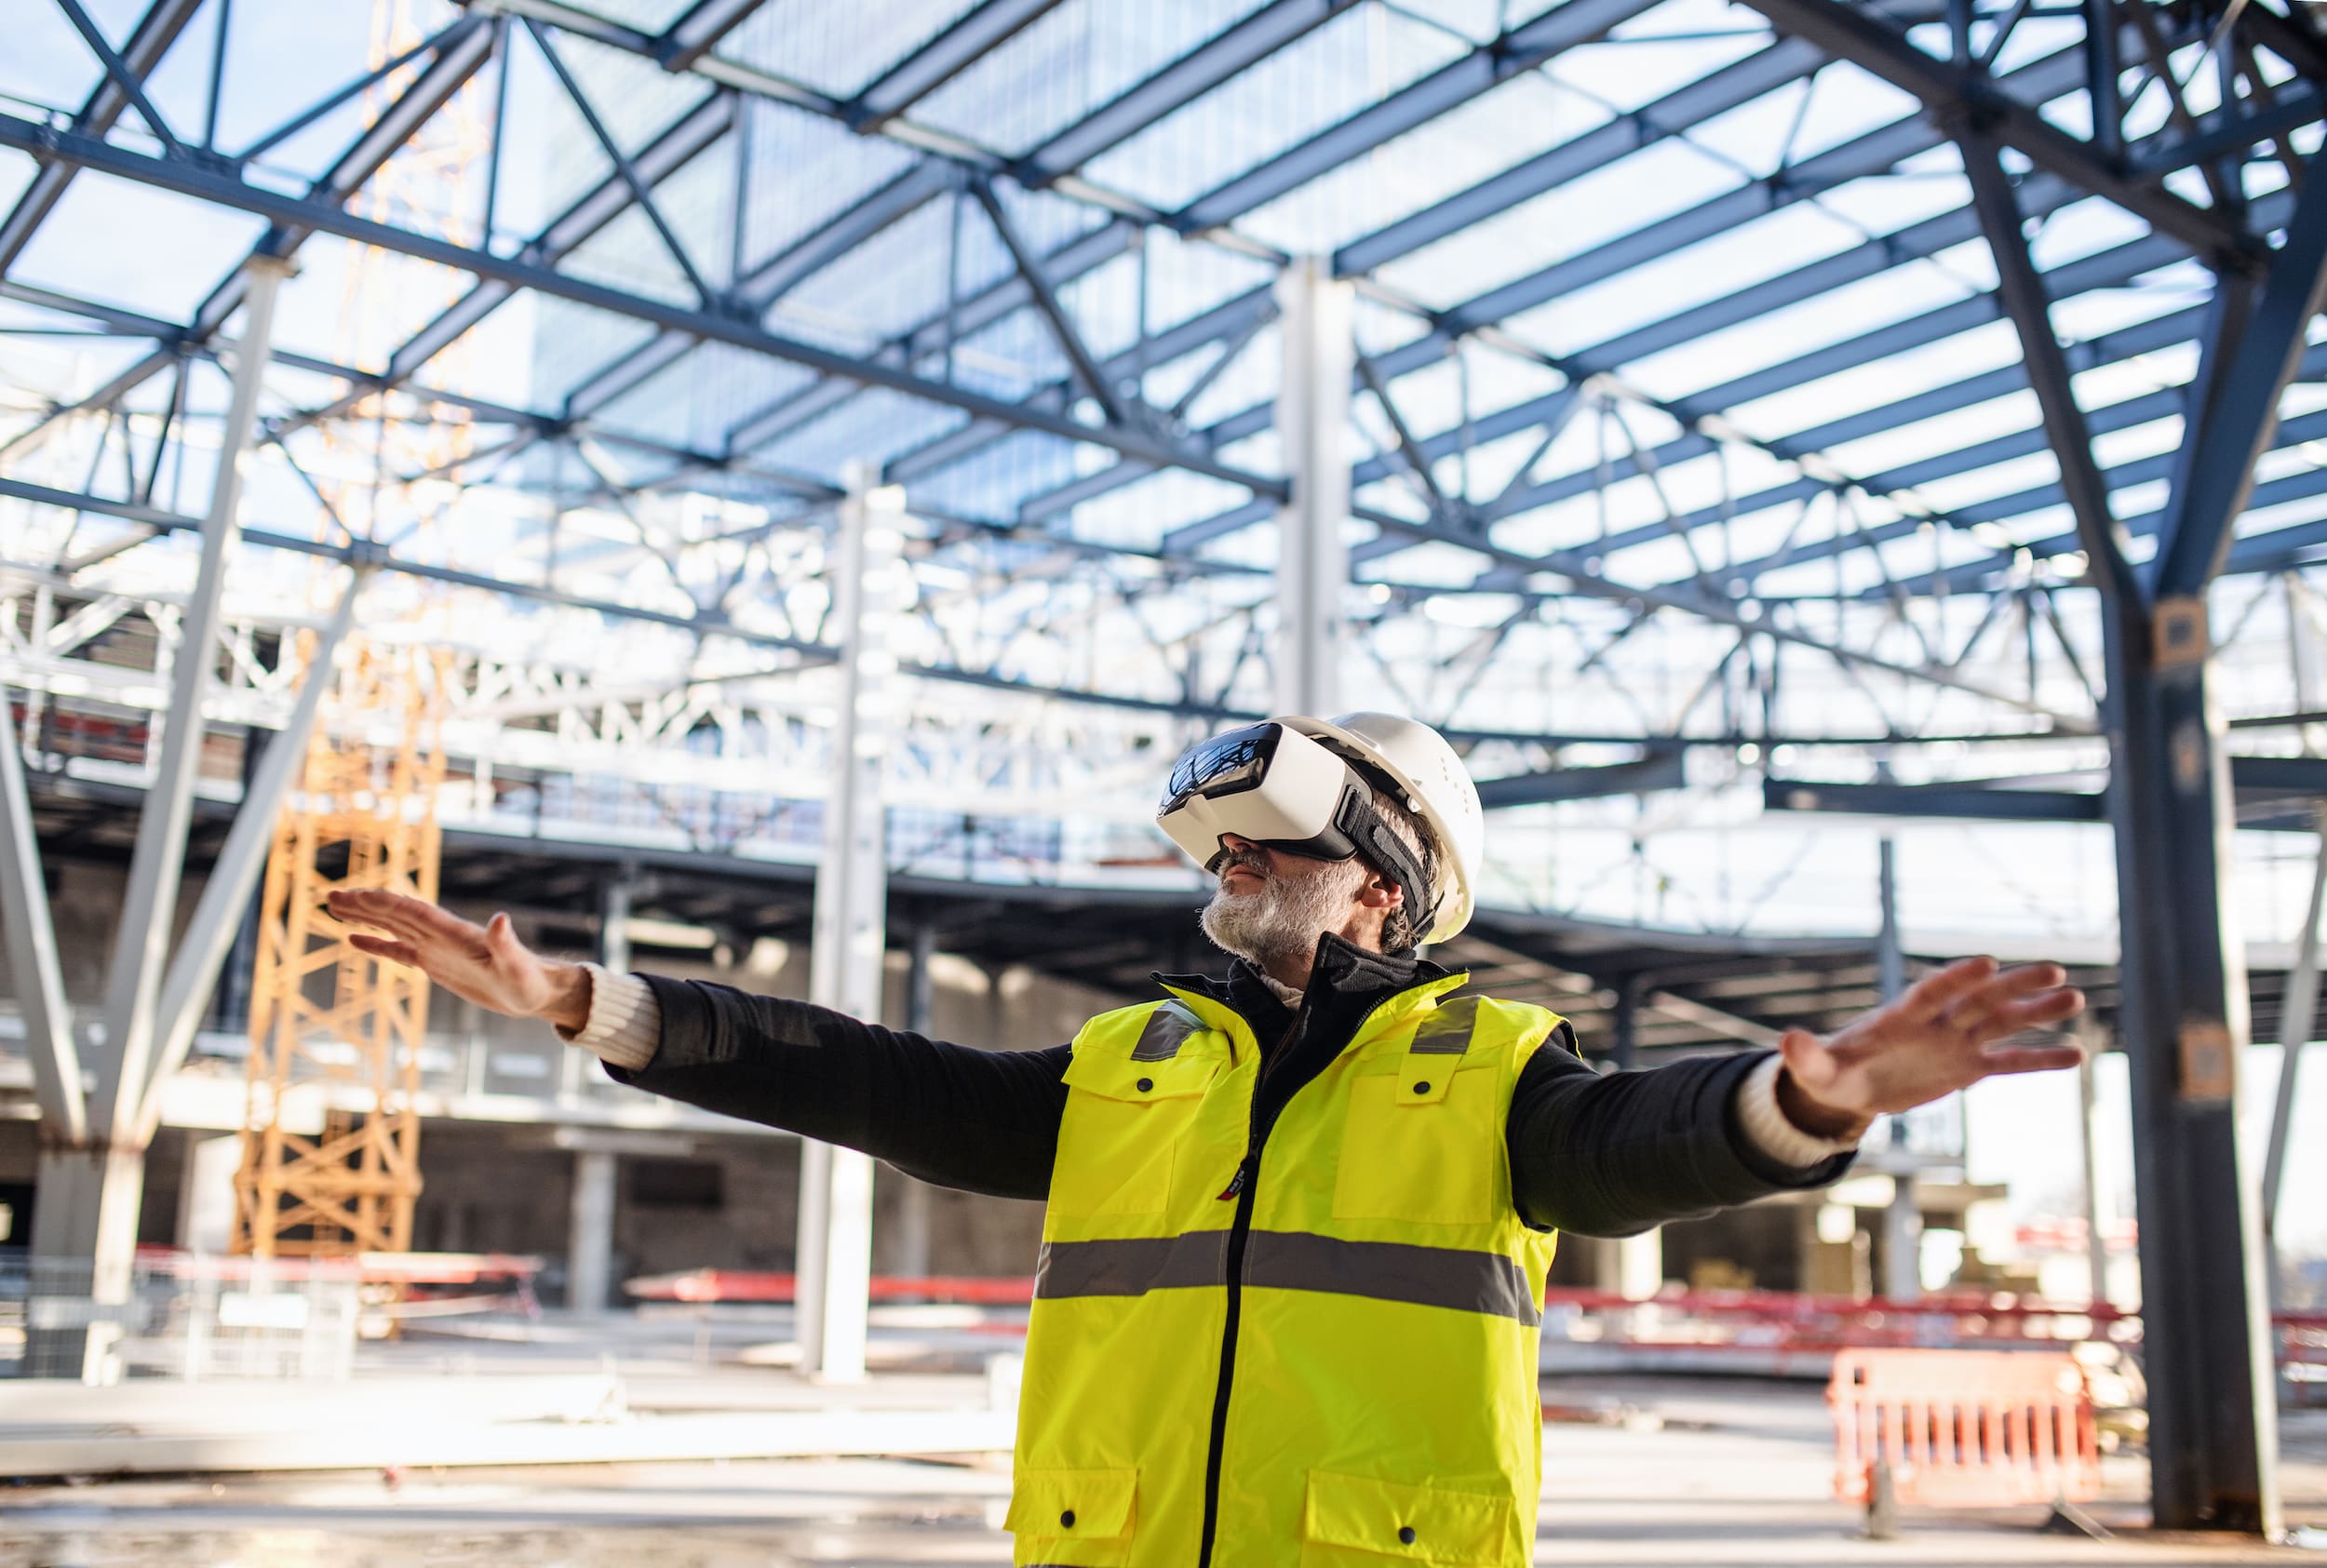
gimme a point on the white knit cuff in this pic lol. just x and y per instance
(1771, 1131)
(625, 1025)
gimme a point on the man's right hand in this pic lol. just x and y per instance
(485, 964)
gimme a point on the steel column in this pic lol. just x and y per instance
(1312, 425)
(2212, 1404)
(834, 1267)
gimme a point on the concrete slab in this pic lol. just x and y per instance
(1716, 1475)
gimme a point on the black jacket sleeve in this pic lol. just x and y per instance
(984, 1121)
(1617, 1155)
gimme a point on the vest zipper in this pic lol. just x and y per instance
(1241, 1187)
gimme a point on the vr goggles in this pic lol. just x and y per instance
(1278, 787)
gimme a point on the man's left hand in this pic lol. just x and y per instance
(1941, 1035)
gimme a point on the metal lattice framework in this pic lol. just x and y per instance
(1599, 545)
(1917, 396)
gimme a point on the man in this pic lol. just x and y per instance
(1298, 1220)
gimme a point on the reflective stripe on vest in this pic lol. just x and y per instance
(1385, 1304)
(1166, 1030)
(1447, 1276)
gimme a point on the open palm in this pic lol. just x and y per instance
(1944, 1033)
(485, 964)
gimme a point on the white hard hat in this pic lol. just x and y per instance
(1437, 788)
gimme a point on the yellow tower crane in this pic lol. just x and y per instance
(324, 1018)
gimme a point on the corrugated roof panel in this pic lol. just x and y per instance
(839, 50)
(1068, 63)
(1316, 81)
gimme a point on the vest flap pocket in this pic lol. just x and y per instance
(1416, 1524)
(1117, 1078)
(1074, 1505)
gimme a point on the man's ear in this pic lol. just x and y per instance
(1381, 893)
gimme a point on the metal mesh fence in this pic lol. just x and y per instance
(188, 1318)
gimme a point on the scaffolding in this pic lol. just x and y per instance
(328, 1021)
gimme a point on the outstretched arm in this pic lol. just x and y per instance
(1615, 1155)
(985, 1121)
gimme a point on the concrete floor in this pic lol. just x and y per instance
(1710, 1474)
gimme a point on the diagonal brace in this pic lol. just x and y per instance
(32, 949)
(2240, 415)
(123, 76)
(640, 192)
(1086, 367)
(2030, 309)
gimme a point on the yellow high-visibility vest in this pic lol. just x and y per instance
(1319, 1352)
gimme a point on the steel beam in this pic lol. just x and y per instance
(700, 31)
(1524, 48)
(1095, 382)
(462, 50)
(835, 1250)
(2253, 780)
(2235, 426)
(124, 76)
(940, 60)
(1576, 568)
(1952, 91)
(1971, 801)
(1168, 88)
(1659, 769)
(772, 279)
(295, 213)
(1870, 154)
(677, 146)
(2030, 309)
(156, 31)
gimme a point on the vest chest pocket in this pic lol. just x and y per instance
(1124, 1120)
(1420, 1143)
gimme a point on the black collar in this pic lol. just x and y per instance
(1352, 977)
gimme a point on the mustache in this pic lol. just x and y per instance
(1228, 860)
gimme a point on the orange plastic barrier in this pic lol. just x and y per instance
(1964, 1428)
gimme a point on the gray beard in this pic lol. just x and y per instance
(1285, 917)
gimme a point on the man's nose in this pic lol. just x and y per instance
(1236, 842)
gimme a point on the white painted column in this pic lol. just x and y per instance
(2089, 1142)
(87, 1193)
(845, 971)
(1313, 412)
(1903, 1221)
(2294, 1032)
(590, 1232)
(205, 1193)
(909, 1247)
(1632, 1266)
